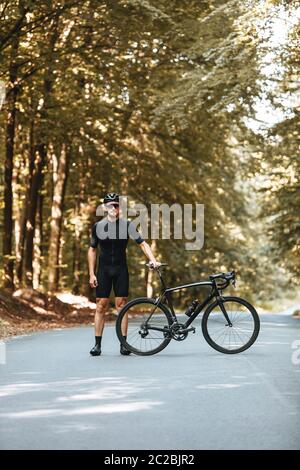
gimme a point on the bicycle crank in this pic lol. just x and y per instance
(179, 333)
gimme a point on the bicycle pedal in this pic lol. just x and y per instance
(187, 330)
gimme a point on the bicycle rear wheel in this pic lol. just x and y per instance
(231, 339)
(147, 324)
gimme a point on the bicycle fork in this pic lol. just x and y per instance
(221, 305)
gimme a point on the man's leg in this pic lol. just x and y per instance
(121, 287)
(101, 308)
(120, 301)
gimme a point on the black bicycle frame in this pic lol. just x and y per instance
(168, 291)
(215, 292)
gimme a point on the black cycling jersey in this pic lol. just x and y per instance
(112, 237)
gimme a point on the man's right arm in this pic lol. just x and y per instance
(92, 258)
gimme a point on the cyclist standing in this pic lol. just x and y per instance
(111, 234)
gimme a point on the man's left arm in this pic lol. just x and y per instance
(148, 252)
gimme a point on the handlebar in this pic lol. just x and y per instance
(227, 277)
(150, 266)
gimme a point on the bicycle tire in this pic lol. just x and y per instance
(213, 343)
(125, 309)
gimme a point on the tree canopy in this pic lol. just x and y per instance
(164, 101)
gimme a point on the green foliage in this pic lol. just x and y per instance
(152, 99)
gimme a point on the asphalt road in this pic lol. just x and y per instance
(53, 395)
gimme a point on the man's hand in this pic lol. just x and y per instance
(93, 281)
(154, 264)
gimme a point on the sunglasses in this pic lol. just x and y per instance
(109, 206)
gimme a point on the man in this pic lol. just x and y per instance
(112, 234)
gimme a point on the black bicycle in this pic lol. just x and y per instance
(229, 324)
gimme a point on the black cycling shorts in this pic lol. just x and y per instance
(115, 276)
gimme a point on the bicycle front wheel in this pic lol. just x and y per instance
(145, 325)
(234, 338)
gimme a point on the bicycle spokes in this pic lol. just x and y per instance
(148, 327)
(231, 326)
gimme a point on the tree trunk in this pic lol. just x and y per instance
(79, 286)
(40, 157)
(37, 242)
(23, 223)
(17, 205)
(60, 173)
(36, 184)
(77, 262)
(8, 262)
